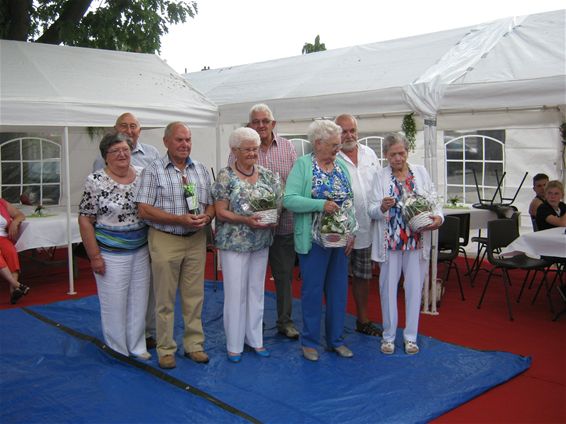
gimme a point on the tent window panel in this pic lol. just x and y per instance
(10, 151)
(493, 171)
(50, 151)
(375, 142)
(481, 151)
(51, 194)
(31, 172)
(302, 145)
(11, 194)
(11, 172)
(469, 175)
(30, 165)
(31, 149)
(454, 172)
(493, 151)
(470, 195)
(51, 172)
(33, 193)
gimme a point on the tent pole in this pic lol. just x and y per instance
(431, 162)
(68, 190)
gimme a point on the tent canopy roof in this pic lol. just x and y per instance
(46, 85)
(524, 68)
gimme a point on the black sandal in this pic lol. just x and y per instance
(17, 294)
(368, 328)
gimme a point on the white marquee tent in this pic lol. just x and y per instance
(493, 75)
(61, 89)
(508, 74)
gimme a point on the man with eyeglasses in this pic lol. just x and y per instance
(142, 154)
(278, 155)
(362, 163)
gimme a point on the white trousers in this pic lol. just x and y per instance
(244, 287)
(413, 268)
(123, 292)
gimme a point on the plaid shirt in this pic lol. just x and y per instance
(161, 186)
(279, 159)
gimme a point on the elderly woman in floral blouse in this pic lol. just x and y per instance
(115, 240)
(243, 238)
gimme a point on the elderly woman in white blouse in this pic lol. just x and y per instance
(115, 240)
(395, 246)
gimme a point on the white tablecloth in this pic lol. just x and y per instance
(47, 231)
(478, 217)
(550, 242)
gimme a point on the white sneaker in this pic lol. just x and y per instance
(411, 348)
(146, 356)
(388, 348)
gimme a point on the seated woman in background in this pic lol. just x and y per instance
(243, 241)
(10, 219)
(115, 239)
(552, 212)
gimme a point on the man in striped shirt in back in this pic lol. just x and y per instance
(278, 155)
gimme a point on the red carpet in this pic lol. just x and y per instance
(538, 395)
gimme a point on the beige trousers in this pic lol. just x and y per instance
(178, 263)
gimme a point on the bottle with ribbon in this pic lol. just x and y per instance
(191, 196)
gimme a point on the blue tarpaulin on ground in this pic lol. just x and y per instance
(51, 376)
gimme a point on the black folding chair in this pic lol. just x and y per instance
(448, 248)
(500, 233)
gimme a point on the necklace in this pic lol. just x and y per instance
(243, 173)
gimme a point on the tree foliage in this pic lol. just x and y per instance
(316, 47)
(128, 25)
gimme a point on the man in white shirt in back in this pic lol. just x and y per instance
(362, 164)
(142, 156)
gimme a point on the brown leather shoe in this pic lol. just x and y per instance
(199, 357)
(167, 362)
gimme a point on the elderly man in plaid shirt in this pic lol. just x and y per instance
(177, 242)
(278, 155)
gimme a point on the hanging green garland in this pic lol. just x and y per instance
(410, 130)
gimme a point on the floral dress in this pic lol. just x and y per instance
(334, 186)
(399, 235)
(238, 193)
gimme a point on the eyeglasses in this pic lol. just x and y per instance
(335, 146)
(248, 149)
(126, 126)
(261, 121)
(118, 151)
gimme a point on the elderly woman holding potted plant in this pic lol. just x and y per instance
(405, 211)
(319, 193)
(246, 198)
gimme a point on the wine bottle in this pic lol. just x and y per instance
(191, 196)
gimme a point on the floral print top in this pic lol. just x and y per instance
(399, 235)
(111, 203)
(238, 193)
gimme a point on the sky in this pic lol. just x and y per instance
(235, 32)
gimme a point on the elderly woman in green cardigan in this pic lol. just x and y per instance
(319, 193)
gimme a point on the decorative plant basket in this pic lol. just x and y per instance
(420, 221)
(334, 239)
(268, 216)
